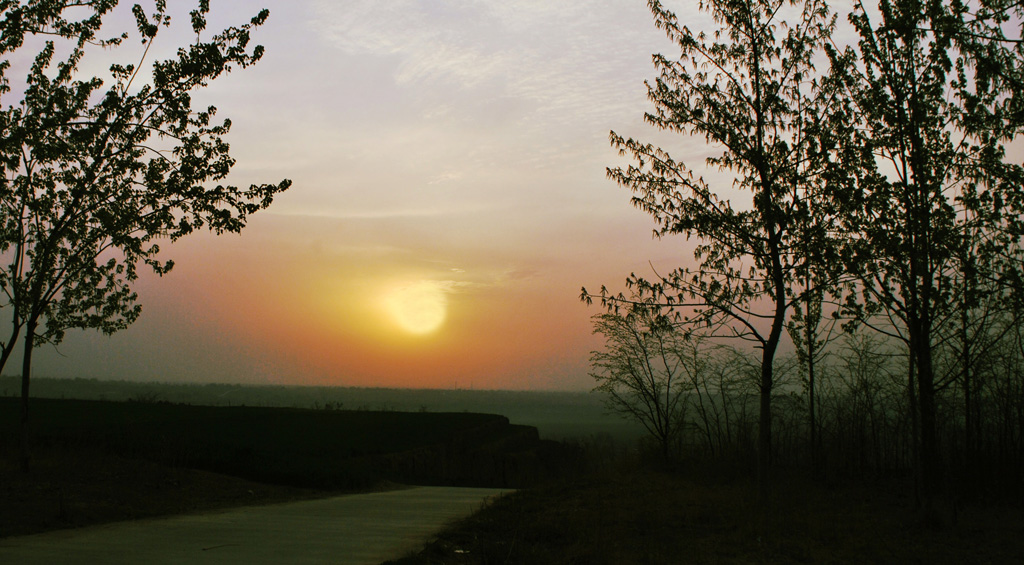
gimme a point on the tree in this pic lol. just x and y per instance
(984, 317)
(644, 370)
(721, 385)
(94, 177)
(754, 95)
(811, 334)
(925, 169)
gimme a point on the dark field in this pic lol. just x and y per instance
(101, 461)
(633, 515)
(556, 415)
(81, 487)
(580, 502)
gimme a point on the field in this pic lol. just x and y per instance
(101, 460)
(633, 514)
(82, 487)
(588, 499)
(556, 415)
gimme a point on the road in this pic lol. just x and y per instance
(350, 529)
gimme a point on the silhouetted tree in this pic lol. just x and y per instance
(924, 146)
(645, 370)
(751, 91)
(984, 317)
(811, 333)
(818, 274)
(721, 387)
(95, 175)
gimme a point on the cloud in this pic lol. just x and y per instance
(557, 57)
(445, 177)
(373, 214)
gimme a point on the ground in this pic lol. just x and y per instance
(67, 489)
(641, 516)
(624, 512)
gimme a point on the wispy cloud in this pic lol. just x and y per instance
(445, 177)
(567, 60)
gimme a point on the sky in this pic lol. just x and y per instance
(449, 199)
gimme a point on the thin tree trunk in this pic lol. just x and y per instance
(8, 348)
(26, 373)
(930, 468)
(764, 447)
(809, 338)
(764, 440)
(969, 438)
(815, 451)
(915, 424)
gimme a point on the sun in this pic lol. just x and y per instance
(418, 308)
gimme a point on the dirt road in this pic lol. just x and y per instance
(352, 529)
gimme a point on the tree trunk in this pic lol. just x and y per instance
(969, 437)
(915, 423)
(26, 373)
(930, 468)
(8, 348)
(811, 351)
(764, 439)
(816, 470)
(764, 447)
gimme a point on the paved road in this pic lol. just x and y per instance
(351, 529)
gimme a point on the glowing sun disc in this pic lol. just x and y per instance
(419, 308)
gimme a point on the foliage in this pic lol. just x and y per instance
(94, 178)
(95, 175)
(881, 196)
(752, 91)
(924, 190)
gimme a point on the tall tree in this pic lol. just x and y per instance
(751, 91)
(926, 163)
(94, 176)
